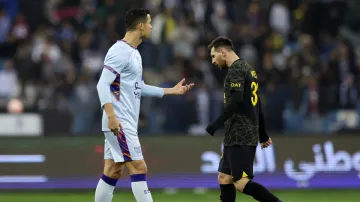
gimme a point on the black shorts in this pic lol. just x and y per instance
(238, 161)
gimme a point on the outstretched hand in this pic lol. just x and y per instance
(181, 89)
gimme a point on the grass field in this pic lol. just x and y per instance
(183, 196)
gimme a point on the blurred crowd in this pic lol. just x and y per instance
(305, 53)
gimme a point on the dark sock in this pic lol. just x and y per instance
(228, 193)
(259, 192)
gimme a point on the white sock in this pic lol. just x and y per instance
(104, 191)
(140, 188)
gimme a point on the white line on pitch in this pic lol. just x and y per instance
(23, 179)
(22, 158)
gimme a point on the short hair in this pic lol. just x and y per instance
(135, 16)
(223, 42)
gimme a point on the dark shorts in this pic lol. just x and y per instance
(238, 161)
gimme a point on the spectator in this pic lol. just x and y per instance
(8, 81)
(4, 25)
(56, 55)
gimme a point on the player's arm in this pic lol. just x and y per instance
(264, 139)
(152, 91)
(178, 89)
(263, 136)
(103, 89)
(113, 64)
(236, 84)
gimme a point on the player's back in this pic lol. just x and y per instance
(125, 61)
(242, 128)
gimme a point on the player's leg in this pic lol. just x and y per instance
(106, 185)
(138, 171)
(256, 190)
(241, 164)
(136, 166)
(113, 168)
(227, 188)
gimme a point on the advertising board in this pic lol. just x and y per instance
(180, 162)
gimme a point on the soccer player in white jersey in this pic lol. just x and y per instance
(120, 88)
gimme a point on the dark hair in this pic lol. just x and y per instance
(135, 16)
(221, 41)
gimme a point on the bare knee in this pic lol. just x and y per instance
(240, 184)
(112, 169)
(137, 167)
(224, 178)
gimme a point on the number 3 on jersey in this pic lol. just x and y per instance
(254, 97)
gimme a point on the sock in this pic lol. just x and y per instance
(259, 192)
(228, 193)
(140, 188)
(105, 189)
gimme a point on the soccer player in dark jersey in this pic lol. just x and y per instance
(244, 125)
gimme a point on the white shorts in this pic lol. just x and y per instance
(123, 148)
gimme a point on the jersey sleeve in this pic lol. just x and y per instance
(151, 91)
(114, 63)
(103, 86)
(229, 111)
(236, 80)
(116, 60)
(263, 136)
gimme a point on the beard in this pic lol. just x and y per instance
(222, 65)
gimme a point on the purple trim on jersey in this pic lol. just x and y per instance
(110, 69)
(124, 146)
(115, 87)
(138, 177)
(128, 44)
(108, 180)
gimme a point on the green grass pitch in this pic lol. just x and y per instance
(182, 196)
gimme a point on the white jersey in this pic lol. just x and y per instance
(121, 84)
(125, 62)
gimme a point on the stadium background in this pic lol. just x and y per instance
(306, 54)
